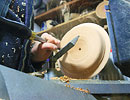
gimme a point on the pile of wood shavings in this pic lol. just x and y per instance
(79, 89)
(64, 79)
(67, 79)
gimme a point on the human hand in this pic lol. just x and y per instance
(41, 51)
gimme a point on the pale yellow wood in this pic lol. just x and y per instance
(90, 53)
(63, 28)
(100, 9)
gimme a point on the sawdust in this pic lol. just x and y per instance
(79, 89)
(66, 79)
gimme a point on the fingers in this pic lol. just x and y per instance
(49, 46)
(51, 39)
(42, 51)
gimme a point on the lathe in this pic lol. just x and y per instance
(97, 74)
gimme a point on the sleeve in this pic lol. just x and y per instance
(4, 5)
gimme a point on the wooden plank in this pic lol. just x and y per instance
(63, 28)
(53, 13)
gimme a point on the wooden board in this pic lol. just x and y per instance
(74, 5)
(63, 28)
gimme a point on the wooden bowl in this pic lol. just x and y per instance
(89, 55)
(100, 9)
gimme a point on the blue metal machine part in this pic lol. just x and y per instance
(15, 85)
(118, 20)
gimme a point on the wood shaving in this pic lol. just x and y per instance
(79, 89)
